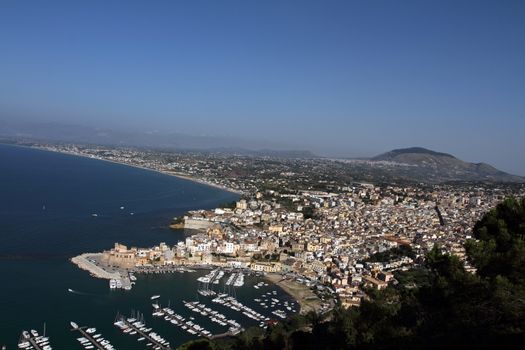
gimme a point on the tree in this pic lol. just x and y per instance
(500, 246)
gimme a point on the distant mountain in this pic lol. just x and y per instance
(60, 132)
(269, 153)
(440, 167)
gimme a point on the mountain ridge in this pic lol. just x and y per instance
(444, 166)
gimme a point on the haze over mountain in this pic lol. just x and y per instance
(340, 78)
(444, 167)
(60, 132)
(413, 164)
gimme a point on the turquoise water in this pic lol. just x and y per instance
(36, 245)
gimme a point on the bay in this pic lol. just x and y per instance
(46, 202)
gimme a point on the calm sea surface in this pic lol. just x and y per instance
(46, 202)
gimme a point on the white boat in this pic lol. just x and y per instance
(74, 325)
(155, 297)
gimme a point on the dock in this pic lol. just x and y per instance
(95, 342)
(146, 335)
(34, 344)
(179, 321)
(34, 341)
(213, 315)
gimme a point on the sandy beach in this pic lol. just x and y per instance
(304, 296)
(164, 172)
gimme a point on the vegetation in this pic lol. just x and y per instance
(227, 205)
(441, 306)
(392, 254)
(309, 212)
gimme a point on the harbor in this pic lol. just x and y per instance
(33, 341)
(133, 326)
(213, 315)
(175, 319)
(90, 339)
(189, 312)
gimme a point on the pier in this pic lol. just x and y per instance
(96, 342)
(177, 320)
(90, 338)
(213, 315)
(235, 305)
(158, 342)
(35, 344)
(206, 282)
(33, 341)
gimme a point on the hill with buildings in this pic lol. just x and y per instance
(437, 305)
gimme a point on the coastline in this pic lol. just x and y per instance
(306, 299)
(163, 172)
(302, 294)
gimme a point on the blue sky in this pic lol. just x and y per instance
(343, 78)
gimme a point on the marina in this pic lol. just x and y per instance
(270, 300)
(236, 279)
(206, 282)
(234, 304)
(43, 294)
(187, 325)
(33, 341)
(133, 326)
(90, 339)
(214, 316)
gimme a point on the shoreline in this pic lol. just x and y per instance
(306, 299)
(302, 294)
(163, 172)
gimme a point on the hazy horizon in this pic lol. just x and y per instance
(338, 78)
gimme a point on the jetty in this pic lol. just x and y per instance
(94, 340)
(88, 262)
(33, 341)
(177, 320)
(213, 315)
(133, 326)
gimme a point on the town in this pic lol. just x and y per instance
(337, 237)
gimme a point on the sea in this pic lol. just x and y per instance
(46, 204)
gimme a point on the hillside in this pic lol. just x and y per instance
(438, 305)
(431, 166)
